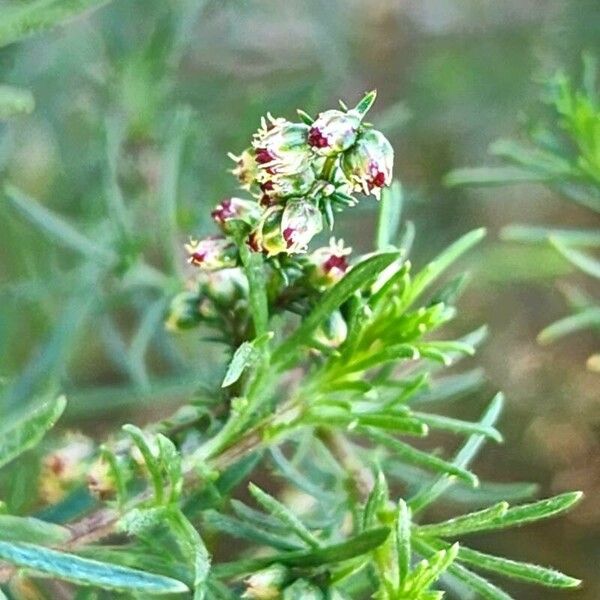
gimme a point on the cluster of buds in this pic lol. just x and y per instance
(298, 173)
(212, 295)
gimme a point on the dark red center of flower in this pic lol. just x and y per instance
(223, 211)
(288, 235)
(266, 186)
(377, 177)
(316, 139)
(335, 262)
(197, 258)
(263, 156)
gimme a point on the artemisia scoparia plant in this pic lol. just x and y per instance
(335, 368)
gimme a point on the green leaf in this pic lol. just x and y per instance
(248, 531)
(32, 530)
(28, 17)
(516, 569)
(450, 387)
(54, 226)
(586, 319)
(465, 523)
(482, 176)
(407, 453)
(432, 492)
(359, 276)
(85, 571)
(390, 209)
(245, 356)
(355, 546)
(436, 267)
(484, 588)
(528, 513)
(283, 514)
(194, 550)
(27, 432)
(150, 456)
(366, 102)
(403, 540)
(458, 426)
(584, 262)
(254, 269)
(568, 237)
(15, 101)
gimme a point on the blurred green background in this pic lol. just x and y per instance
(137, 106)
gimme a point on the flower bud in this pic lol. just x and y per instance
(184, 311)
(100, 480)
(333, 332)
(286, 186)
(246, 167)
(327, 265)
(64, 466)
(333, 131)
(300, 222)
(236, 209)
(267, 236)
(266, 584)
(281, 147)
(212, 253)
(223, 287)
(368, 164)
(302, 590)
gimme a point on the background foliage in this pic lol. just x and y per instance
(137, 92)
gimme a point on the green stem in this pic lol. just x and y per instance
(254, 268)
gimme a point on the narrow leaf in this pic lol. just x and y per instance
(32, 530)
(585, 319)
(584, 262)
(26, 18)
(482, 176)
(284, 514)
(436, 267)
(481, 586)
(465, 523)
(516, 569)
(422, 459)
(458, 426)
(569, 237)
(27, 432)
(403, 540)
(356, 546)
(528, 513)
(55, 227)
(432, 492)
(85, 571)
(390, 209)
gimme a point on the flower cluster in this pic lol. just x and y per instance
(297, 175)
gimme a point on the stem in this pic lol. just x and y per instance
(360, 479)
